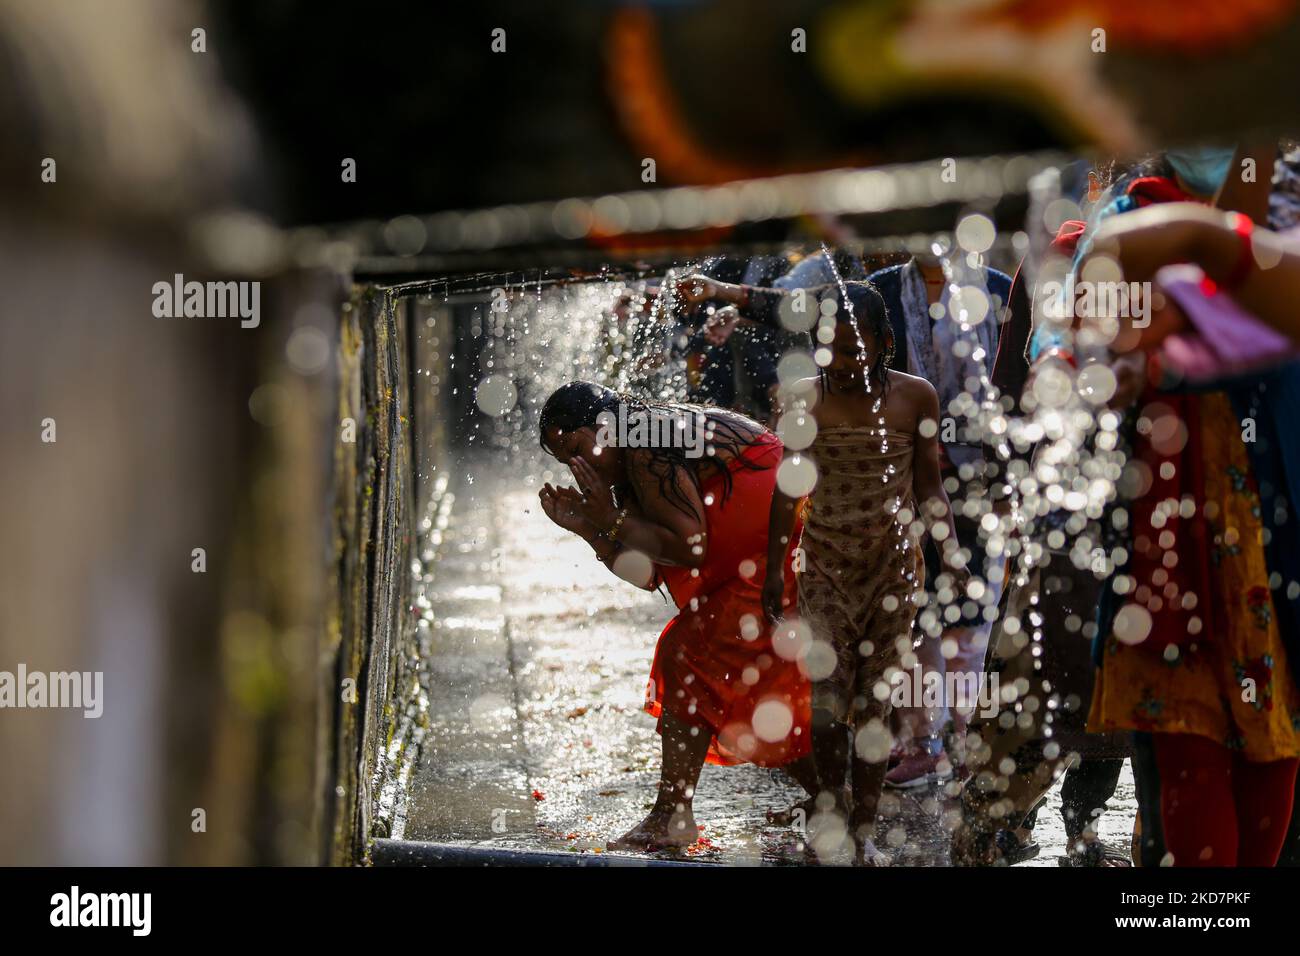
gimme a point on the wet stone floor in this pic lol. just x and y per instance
(537, 739)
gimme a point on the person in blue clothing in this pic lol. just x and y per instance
(946, 318)
(740, 374)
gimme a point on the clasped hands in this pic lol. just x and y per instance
(587, 510)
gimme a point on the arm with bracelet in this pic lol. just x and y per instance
(664, 530)
(567, 508)
(1259, 268)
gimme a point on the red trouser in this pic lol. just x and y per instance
(1219, 809)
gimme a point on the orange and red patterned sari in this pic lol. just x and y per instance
(717, 654)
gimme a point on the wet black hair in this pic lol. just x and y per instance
(1119, 173)
(871, 315)
(576, 405)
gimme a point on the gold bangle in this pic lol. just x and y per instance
(612, 533)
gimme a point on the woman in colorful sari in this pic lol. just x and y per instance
(678, 495)
(1190, 650)
(1211, 332)
(1266, 290)
(1191, 654)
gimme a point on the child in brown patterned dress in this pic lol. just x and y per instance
(865, 446)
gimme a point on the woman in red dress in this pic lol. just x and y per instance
(678, 495)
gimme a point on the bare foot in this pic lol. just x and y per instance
(866, 854)
(801, 811)
(804, 810)
(662, 829)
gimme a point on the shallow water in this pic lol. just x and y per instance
(539, 658)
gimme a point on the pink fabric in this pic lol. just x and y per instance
(1225, 340)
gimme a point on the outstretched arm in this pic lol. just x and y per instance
(1146, 239)
(761, 306)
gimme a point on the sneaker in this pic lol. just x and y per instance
(919, 769)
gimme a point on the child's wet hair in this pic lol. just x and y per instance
(872, 317)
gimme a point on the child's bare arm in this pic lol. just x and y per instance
(927, 480)
(779, 528)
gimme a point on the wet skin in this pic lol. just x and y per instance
(670, 823)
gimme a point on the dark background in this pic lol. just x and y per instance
(436, 120)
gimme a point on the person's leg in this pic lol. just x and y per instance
(1024, 833)
(966, 651)
(1264, 793)
(831, 696)
(1006, 751)
(1031, 818)
(870, 761)
(827, 826)
(1011, 773)
(1011, 776)
(804, 772)
(1290, 855)
(888, 635)
(915, 724)
(963, 651)
(831, 742)
(1197, 806)
(1146, 781)
(959, 649)
(671, 822)
(919, 725)
(1087, 787)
